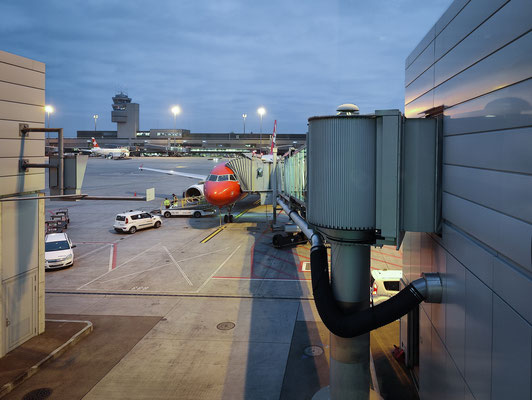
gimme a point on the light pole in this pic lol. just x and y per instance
(95, 116)
(244, 116)
(175, 110)
(49, 110)
(261, 112)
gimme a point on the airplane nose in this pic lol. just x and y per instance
(220, 195)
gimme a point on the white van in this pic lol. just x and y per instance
(58, 251)
(384, 284)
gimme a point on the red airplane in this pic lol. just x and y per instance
(221, 187)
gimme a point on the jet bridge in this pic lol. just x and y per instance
(254, 175)
(363, 180)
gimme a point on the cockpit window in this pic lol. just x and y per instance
(212, 178)
(223, 178)
(232, 178)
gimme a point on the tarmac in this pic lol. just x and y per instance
(187, 311)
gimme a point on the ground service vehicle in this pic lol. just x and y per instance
(132, 221)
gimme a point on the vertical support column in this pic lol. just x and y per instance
(61, 169)
(274, 186)
(349, 370)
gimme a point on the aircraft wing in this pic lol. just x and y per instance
(172, 172)
(85, 151)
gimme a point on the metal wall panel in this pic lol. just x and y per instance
(9, 130)
(507, 150)
(510, 22)
(490, 74)
(21, 112)
(498, 231)
(449, 15)
(512, 346)
(22, 62)
(454, 298)
(20, 247)
(21, 148)
(416, 107)
(21, 183)
(422, 63)
(21, 76)
(425, 356)
(478, 323)
(475, 258)
(439, 385)
(420, 86)
(422, 45)
(471, 16)
(507, 108)
(438, 310)
(514, 287)
(10, 167)
(505, 192)
(21, 94)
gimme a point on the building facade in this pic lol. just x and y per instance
(474, 69)
(22, 84)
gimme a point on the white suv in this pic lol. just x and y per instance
(58, 251)
(132, 221)
(384, 284)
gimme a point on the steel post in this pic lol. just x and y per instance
(60, 170)
(274, 186)
(349, 369)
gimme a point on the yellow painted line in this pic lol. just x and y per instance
(217, 231)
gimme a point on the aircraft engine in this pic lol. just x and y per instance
(193, 190)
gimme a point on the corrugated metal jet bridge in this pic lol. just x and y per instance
(361, 181)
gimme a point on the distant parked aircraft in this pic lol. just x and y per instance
(109, 152)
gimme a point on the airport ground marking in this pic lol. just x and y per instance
(91, 252)
(217, 269)
(245, 278)
(177, 265)
(217, 231)
(121, 265)
(164, 265)
(112, 257)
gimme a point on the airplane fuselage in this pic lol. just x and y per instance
(221, 187)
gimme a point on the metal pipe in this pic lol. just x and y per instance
(60, 169)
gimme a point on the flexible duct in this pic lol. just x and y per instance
(427, 288)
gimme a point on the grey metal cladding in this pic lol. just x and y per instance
(507, 108)
(488, 75)
(506, 192)
(508, 236)
(505, 150)
(506, 25)
(511, 349)
(341, 172)
(471, 16)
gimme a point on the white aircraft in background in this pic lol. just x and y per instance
(109, 152)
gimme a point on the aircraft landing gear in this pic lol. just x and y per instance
(229, 216)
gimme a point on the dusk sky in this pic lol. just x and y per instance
(217, 59)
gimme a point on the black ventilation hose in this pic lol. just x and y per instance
(351, 325)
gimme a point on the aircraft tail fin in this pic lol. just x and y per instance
(274, 135)
(94, 143)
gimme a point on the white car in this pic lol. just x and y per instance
(384, 284)
(58, 251)
(132, 221)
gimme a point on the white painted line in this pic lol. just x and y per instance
(92, 251)
(237, 278)
(134, 273)
(111, 259)
(374, 374)
(217, 269)
(162, 266)
(124, 263)
(177, 265)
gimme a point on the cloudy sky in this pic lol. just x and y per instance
(217, 59)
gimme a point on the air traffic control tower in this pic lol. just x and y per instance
(126, 115)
